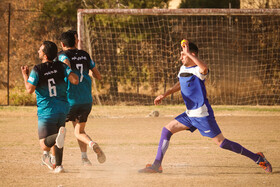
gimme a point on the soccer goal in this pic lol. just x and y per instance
(137, 51)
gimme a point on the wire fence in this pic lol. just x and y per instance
(19, 43)
(18, 46)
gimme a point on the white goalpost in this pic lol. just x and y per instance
(137, 51)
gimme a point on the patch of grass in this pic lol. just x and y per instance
(248, 108)
(18, 108)
(20, 97)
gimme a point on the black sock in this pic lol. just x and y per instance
(58, 155)
(50, 140)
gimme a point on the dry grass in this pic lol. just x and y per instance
(130, 139)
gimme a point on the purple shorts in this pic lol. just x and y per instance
(207, 126)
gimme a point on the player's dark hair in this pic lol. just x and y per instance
(50, 49)
(193, 48)
(68, 38)
(73, 32)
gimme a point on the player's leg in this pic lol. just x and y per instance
(239, 149)
(82, 145)
(84, 138)
(53, 155)
(45, 133)
(52, 141)
(46, 158)
(73, 116)
(83, 113)
(49, 135)
(83, 148)
(58, 147)
(46, 144)
(171, 128)
(208, 127)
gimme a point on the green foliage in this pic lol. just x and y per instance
(146, 3)
(63, 12)
(57, 15)
(209, 4)
(101, 4)
(19, 96)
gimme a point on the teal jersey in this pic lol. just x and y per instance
(51, 87)
(80, 63)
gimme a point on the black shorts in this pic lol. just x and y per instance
(79, 112)
(50, 124)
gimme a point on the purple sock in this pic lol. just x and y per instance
(162, 146)
(237, 148)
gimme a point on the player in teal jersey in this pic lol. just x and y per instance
(47, 80)
(79, 96)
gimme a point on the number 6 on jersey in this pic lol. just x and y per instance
(52, 88)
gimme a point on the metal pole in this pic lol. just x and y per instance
(80, 27)
(8, 64)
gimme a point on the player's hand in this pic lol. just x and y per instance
(185, 46)
(24, 70)
(158, 99)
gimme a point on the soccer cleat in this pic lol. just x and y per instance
(60, 137)
(86, 162)
(150, 169)
(100, 155)
(46, 160)
(59, 169)
(265, 164)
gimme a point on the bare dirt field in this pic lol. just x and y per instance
(129, 139)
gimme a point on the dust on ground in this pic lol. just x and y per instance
(129, 139)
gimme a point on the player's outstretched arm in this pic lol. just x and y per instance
(172, 90)
(95, 73)
(25, 72)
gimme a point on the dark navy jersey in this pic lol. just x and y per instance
(194, 92)
(80, 63)
(49, 79)
(59, 53)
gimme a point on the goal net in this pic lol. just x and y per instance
(137, 52)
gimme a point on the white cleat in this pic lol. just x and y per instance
(59, 169)
(60, 137)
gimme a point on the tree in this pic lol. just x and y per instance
(209, 4)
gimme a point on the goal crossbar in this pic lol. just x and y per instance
(180, 11)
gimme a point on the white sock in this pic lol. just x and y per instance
(53, 161)
(84, 154)
(90, 144)
(46, 152)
